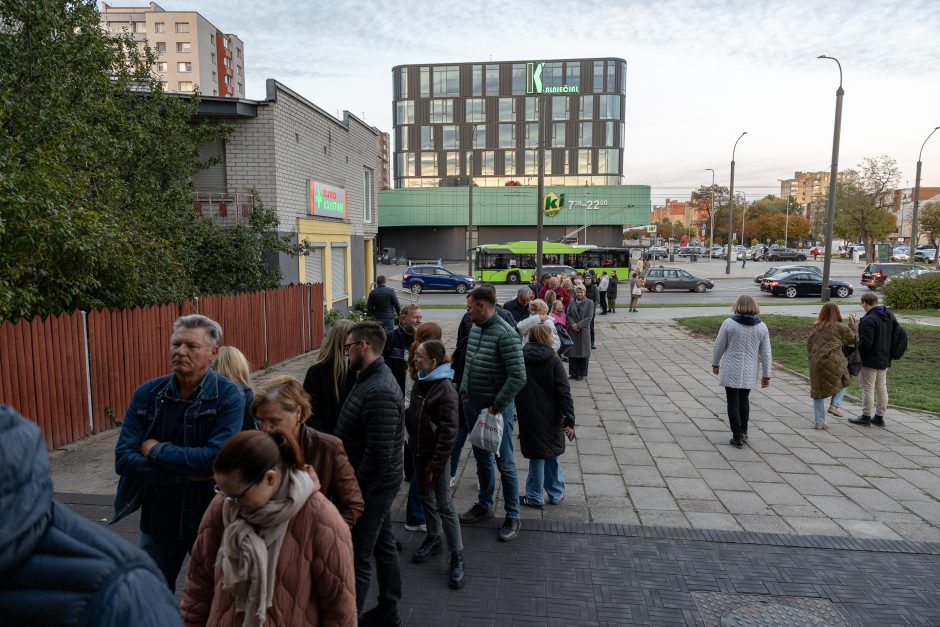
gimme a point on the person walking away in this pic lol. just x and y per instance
(56, 567)
(329, 379)
(383, 305)
(636, 291)
(494, 372)
(281, 403)
(272, 549)
(880, 340)
(580, 312)
(232, 364)
(539, 317)
(602, 287)
(744, 258)
(591, 293)
(172, 431)
(546, 416)
(612, 292)
(740, 353)
(828, 366)
(431, 423)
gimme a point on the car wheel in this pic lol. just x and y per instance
(659, 287)
(801, 258)
(700, 288)
(461, 288)
(873, 287)
(512, 278)
(773, 258)
(416, 288)
(842, 291)
(791, 292)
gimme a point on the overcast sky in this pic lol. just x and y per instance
(699, 72)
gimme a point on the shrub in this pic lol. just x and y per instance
(918, 293)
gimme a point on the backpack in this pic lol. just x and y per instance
(898, 341)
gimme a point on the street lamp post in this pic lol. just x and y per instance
(786, 225)
(711, 216)
(731, 203)
(827, 259)
(743, 214)
(917, 195)
(541, 189)
(470, 212)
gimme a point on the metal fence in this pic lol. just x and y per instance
(74, 374)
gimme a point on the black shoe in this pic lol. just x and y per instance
(878, 421)
(477, 513)
(593, 347)
(571, 376)
(380, 616)
(430, 547)
(456, 570)
(510, 529)
(736, 443)
(861, 420)
(744, 436)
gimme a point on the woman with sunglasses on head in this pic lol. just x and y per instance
(271, 549)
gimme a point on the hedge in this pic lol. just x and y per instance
(922, 292)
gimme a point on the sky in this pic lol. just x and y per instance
(699, 72)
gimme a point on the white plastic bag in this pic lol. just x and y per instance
(487, 433)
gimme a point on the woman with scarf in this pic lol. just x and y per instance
(828, 367)
(740, 353)
(271, 549)
(431, 424)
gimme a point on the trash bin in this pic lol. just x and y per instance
(694, 257)
(672, 257)
(856, 255)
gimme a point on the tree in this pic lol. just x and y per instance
(703, 199)
(930, 224)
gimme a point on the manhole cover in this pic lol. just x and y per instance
(751, 610)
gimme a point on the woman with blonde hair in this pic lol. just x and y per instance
(232, 364)
(741, 351)
(329, 380)
(282, 403)
(538, 316)
(828, 367)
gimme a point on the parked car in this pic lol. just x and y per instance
(659, 279)
(688, 251)
(657, 252)
(901, 253)
(775, 270)
(420, 278)
(874, 274)
(564, 270)
(737, 252)
(805, 284)
(911, 274)
(928, 255)
(717, 250)
(782, 253)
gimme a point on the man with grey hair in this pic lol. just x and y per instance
(172, 431)
(518, 307)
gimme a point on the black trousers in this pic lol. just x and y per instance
(603, 300)
(578, 366)
(739, 410)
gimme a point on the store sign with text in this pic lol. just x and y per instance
(533, 83)
(326, 201)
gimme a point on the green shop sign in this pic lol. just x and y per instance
(552, 204)
(533, 83)
(326, 201)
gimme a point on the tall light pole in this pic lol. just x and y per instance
(731, 203)
(786, 225)
(470, 208)
(917, 195)
(540, 202)
(827, 260)
(711, 216)
(743, 214)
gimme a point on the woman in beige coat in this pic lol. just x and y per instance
(828, 366)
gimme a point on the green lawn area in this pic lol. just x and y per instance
(913, 381)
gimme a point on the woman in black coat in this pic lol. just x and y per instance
(545, 412)
(328, 380)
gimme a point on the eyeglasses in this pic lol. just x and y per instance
(346, 347)
(234, 499)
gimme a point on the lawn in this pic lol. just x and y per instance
(913, 381)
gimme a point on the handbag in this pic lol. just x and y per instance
(487, 433)
(854, 359)
(636, 291)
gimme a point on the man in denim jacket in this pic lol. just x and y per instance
(172, 431)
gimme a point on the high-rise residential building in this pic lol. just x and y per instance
(806, 187)
(454, 117)
(192, 53)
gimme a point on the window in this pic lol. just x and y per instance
(531, 109)
(507, 135)
(402, 135)
(425, 74)
(531, 162)
(452, 163)
(518, 78)
(215, 77)
(598, 76)
(587, 107)
(161, 66)
(228, 80)
(608, 107)
(338, 270)
(238, 70)
(226, 43)
(211, 39)
(608, 161)
(492, 80)
(140, 27)
(552, 75)
(476, 80)
(559, 107)
(623, 77)
(558, 134)
(476, 110)
(509, 163)
(213, 58)
(403, 83)
(405, 112)
(507, 110)
(427, 138)
(238, 52)
(182, 27)
(406, 164)
(532, 135)
(159, 27)
(478, 133)
(585, 134)
(449, 138)
(367, 193)
(226, 62)
(428, 164)
(184, 66)
(161, 47)
(186, 85)
(488, 163)
(182, 46)
(240, 88)
(442, 110)
(447, 80)
(584, 161)
(611, 69)
(609, 136)
(573, 74)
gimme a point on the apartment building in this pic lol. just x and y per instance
(806, 187)
(192, 53)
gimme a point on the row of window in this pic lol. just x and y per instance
(187, 86)
(441, 110)
(509, 136)
(500, 181)
(514, 163)
(160, 27)
(484, 79)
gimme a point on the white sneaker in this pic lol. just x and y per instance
(453, 481)
(421, 528)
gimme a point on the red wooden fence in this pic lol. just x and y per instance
(73, 374)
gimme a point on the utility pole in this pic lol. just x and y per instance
(470, 210)
(827, 260)
(711, 216)
(914, 225)
(540, 201)
(731, 204)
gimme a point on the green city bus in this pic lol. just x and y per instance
(515, 262)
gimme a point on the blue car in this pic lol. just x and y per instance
(420, 278)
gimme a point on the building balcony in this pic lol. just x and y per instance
(227, 208)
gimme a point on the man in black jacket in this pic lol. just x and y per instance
(877, 332)
(372, 428)
(383, 304)
(518, 307)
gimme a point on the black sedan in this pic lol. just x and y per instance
(806, 284)
(785, 269)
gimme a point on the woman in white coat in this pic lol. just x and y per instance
(538, 310)
(740, 353)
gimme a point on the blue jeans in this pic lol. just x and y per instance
(414, 513)
(505, 462)
(819, 405)
(545, 474)
(462, 434)
(388, 325)
(168, 557)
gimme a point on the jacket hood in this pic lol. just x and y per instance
(881, 311)
(747, 320)
(535, 353)
(25, 487)
(444, 371)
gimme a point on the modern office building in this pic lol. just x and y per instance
(450, 118)
(192, 53)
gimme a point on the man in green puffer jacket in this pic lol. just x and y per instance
(494, 372)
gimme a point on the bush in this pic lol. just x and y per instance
(918, 293)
